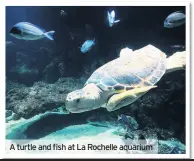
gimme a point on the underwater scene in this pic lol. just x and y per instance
(97, 73)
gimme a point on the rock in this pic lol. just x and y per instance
(42, 57)
(28, 66)
(22, 58)
(164, 133)
(171, 147)
(14, 93)
(55, 70)
(12, 117)
(15, 117)
(90, 68)
(8, 113)
(51, 125)
(41, 97)
(23, 71)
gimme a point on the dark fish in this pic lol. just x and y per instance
(175, 19)
(176, 150)
(129, 121)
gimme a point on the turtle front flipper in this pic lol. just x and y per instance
(125, 98)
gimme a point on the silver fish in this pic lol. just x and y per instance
(111, 18)
(175, 19)
(178, 46)
(63, 13)
(28, 31)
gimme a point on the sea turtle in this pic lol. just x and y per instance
(123, 80)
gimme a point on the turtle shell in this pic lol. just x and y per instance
(140, 68)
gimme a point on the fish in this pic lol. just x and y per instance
(175, 19)
(176, 150)
(28, 31)
(63, 13)
(72, 36)
(129, 121)
(87, 45)
(111, 18)
(9, 44)
(178, 46)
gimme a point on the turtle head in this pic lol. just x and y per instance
(85, 99)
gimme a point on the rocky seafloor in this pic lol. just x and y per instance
(35, 106)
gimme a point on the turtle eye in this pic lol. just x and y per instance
(78, 100)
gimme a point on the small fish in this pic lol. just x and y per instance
(129, 121)
(111, 18)
(178, 46)
(175, 19)
(28, 31)
(72, 36)
(87, 45)
(63, 13)
(176, 150)
(9, 44)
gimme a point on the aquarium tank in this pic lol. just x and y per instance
(98, 73)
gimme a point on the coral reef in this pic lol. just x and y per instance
(55, 70)
(41, 97)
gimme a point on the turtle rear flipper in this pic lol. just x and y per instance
(127, 97)
(176, 62)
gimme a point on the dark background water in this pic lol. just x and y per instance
(139, 26)
(135, 22)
